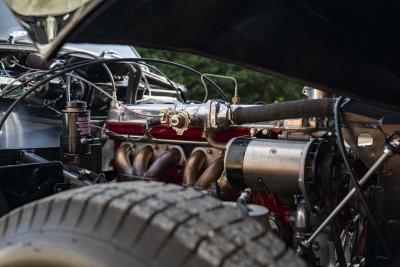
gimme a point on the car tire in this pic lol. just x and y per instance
(136, 224)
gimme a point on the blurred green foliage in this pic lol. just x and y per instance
(253, 86)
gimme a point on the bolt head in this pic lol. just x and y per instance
(253, 131)
(273, 151)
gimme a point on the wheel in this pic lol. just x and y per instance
(136, 224)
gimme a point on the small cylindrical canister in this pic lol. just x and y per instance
(76, 128)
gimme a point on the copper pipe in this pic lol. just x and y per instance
(210, 137)
(122, 162)
(142, 160)
(193, 167)
(212, 173)
(167, 159)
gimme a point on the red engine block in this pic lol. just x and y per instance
(174, 174)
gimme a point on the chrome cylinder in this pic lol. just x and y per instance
(273, 165)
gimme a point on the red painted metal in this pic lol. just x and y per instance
(282, 212)
(270, 201)
(191, 134)
(166, 132)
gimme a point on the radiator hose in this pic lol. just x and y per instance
(284, 110)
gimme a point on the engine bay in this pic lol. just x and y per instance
(78, 120)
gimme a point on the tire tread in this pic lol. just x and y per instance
(162, 224)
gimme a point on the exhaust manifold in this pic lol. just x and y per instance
(132, 165)
(199, 172)
(198, 175)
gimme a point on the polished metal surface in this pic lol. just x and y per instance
(210, 175)
(22, 131)
(142, 160)
(211, 154)
(159, 149)
(274, 164)
(161, 164)
(313, 93)
(301, 220)
(149, 160)
(122, 159)
(193, 167)
(212, 114)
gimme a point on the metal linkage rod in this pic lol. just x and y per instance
(386, 153)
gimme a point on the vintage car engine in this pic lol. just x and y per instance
(285, 166)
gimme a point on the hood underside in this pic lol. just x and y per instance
(348, 47)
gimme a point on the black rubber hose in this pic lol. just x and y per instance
(284, 110)
(135, 74)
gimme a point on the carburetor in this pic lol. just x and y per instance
(210, 115)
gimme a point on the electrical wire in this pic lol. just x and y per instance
(22, 66)
(106, 68)
(108, 95)
(178, 94)
(41, 74)
(165, 62)
(92, 84)
(69, 68)
(342, 151)
(4, 90)
(202, 76)
(206, 75)
(138, 60)
(47, 104)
